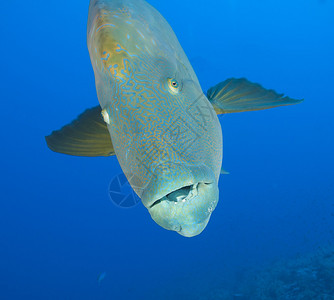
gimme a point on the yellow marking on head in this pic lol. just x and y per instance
(104, 25)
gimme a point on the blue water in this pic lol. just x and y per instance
(60, 235)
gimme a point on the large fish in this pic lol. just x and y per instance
(154, 115)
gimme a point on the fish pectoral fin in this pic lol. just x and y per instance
(238, 95)
(88, 135)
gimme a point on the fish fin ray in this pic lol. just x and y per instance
(239, 95)
(88, 136)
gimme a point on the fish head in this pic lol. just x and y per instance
(179, 148)
(185, 152)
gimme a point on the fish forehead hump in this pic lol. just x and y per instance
(138, 28)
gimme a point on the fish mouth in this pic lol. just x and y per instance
(186, 210)
(174, 182)
(181, 195)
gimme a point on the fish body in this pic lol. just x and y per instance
(155, 117)
(166, 138)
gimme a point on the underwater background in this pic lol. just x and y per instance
(271, 236)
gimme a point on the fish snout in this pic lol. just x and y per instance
(187, 206)
(186, 210)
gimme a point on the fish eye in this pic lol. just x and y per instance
(174, 85)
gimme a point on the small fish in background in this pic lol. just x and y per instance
(156, 118)
(101, 277)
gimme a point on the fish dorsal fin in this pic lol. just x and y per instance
(88, 135)
(238, 95)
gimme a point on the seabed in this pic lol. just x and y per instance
(306, 277)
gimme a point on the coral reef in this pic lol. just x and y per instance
(309, 277)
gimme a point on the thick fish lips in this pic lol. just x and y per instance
(185, 202)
